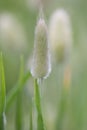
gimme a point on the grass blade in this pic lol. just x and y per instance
(62, 108)
(2, 94)
(16, 89)
(2, 86)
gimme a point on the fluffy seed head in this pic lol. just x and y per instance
(41, 59)
(60, 35)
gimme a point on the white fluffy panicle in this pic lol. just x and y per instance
(41, 59)
(60, 35)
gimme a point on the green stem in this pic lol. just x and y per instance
(19, 123)
(2, 122)
(19, 114)
(40, 124)
(31, 123)
(2, 94)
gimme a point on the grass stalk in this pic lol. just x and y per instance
(19, 113)
(40, 123)
(31, 120)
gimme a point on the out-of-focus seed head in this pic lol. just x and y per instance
(41, 66)
(60, 35)
(36, 4)
(12, 35)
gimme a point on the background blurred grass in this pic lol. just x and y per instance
(51, 89)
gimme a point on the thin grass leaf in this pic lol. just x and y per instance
(2, 94)
(62, 109)
(2, 86)
(31, 123)
(16, 89)
(21, 69)
(40, 123)
(19, 114)
(2, 121)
